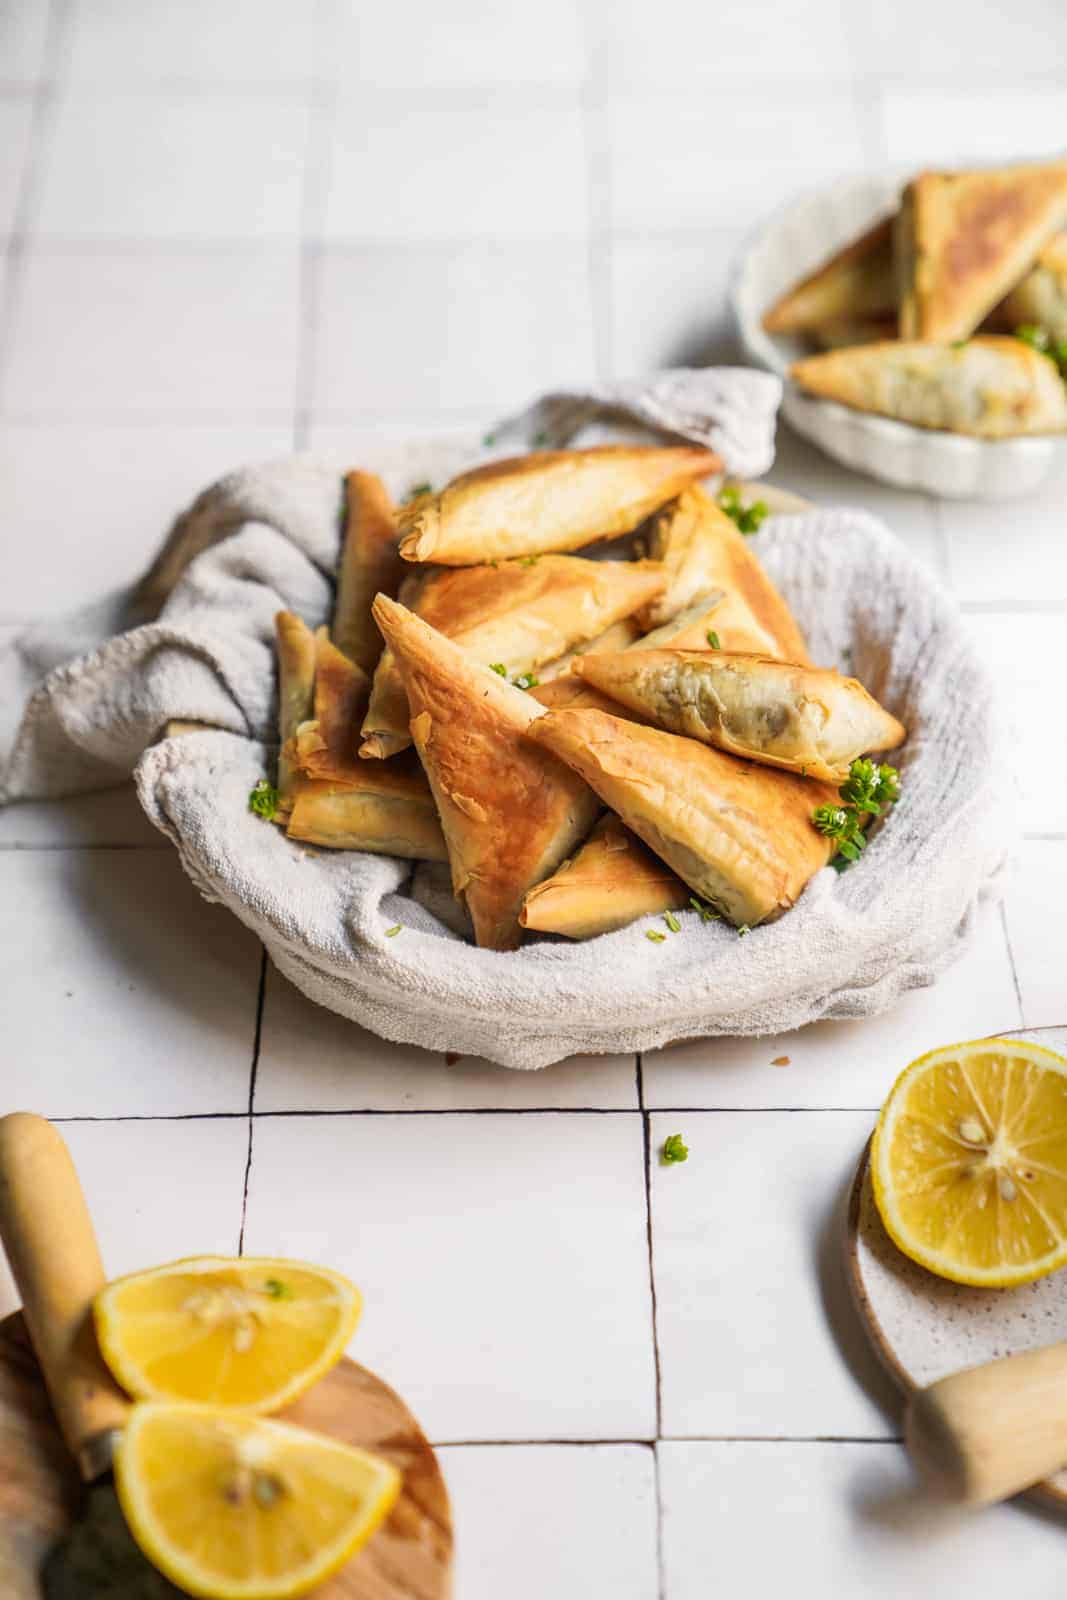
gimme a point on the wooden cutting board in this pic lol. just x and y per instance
(409, 1558)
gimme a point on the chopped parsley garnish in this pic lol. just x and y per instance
(418, 489)
(748, 518)
(655, 935)
(277, 1289)
(713, 639)
(959, 344)
(674, 1150)
(526, 680)
(743, 929)
(391, 933)
(499, 668)
(489, 441)
(672, 922)
(1041, 340)
(529, 561)
(540, 439)
(864, 793)
(706, 912)
(263, 800)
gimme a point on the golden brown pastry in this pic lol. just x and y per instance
(325, 745)
(739, 834)
(370, 564)
(387, 809)
(514, 615)
(618, 637)
(806, 719)
(551, 500)
(993, 388)
(296, 688)
(701, 550)
(856, 283)
(611, 881)
(838, 335)
(510, 812)
(1041, 298)
(963, 239)
(712, 616)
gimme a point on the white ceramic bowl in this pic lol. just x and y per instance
(792, 244)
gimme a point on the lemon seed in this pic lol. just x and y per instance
(1007, 1189)
(972, 1131)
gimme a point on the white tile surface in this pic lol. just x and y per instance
(16, 117)
(955, 123)
(1036, 894)
(111, 817)
(668, 166)
(241, 41)
(845, 1064)
(747, 1242)
(677, 41)
(467, 42)
(102, 335)
(811, 1520)
(312, 1059)
(519, 1240)
(62, 486)
(125, 993)
(1003, 555)
(1025, 654)
(23, 35)
(912, 517)
(124, 165)
(479, 325)
(668, 301)
(594, 1508)
(495, 164)
(156, 1190)
(1002, 43)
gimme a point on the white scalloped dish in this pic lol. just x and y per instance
(793, 243)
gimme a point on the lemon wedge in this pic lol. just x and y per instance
(234, 1507)
(239, 1332)
(969, 1162)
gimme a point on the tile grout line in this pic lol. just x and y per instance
(671, 1438)
(252, 1076)
(646, 1145)
(475, 1111)
(1003, 914)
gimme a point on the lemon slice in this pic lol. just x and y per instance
(969, 1162)
(229, 1332)
(233, 1507)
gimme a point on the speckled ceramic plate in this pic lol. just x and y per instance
(923, 1327)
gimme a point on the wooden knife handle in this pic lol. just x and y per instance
(48, 1237)
(984, 1434)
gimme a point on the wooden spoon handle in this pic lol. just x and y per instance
(48, 1237)
(988, 1432)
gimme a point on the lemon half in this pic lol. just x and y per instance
(243, 1332)
(235, 1507)
(969, 1162)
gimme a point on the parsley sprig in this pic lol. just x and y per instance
(867, 790)
(1041, 340)
(263, 800)
(749, 519)
(674, 1149)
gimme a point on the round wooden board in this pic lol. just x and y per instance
(409, 1558)
(922, 1327)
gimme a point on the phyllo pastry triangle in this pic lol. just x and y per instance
(963, 239)
(739, 834)
(550, 500)
(370, 564)
(295, 644)
(514, 616)
(1041, 298)
(806, 719)
(993, 388)
(510, 811)
(386, 808)
(620, 636)
(855, 284)
(326, 744)
(700, 550)
(611, 881)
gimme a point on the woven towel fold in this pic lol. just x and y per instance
(194, 643)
